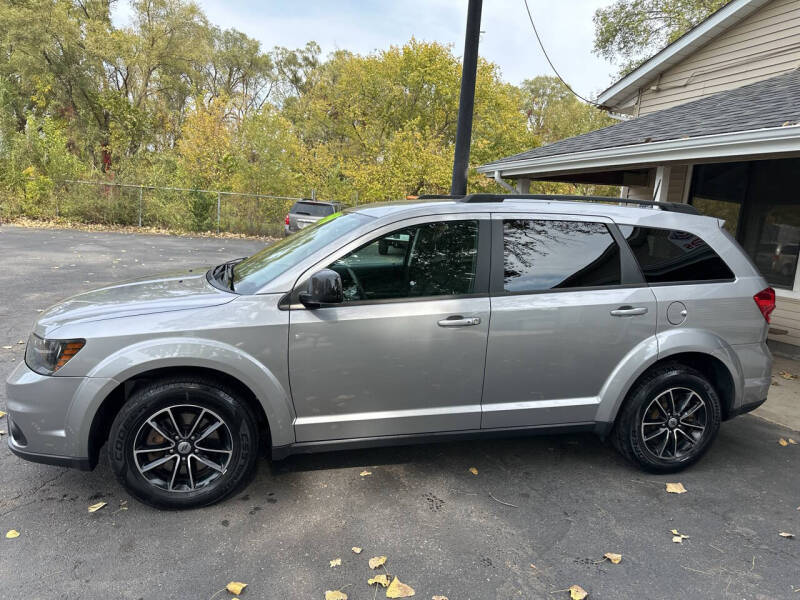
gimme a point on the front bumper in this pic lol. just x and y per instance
(50, 416)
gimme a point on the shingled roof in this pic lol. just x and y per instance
(771, 103)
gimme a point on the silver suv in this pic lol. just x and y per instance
(509, 315)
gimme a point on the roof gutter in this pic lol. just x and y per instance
(738, 144)
(502, 183)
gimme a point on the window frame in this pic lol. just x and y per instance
(482, 267)
(630, 275)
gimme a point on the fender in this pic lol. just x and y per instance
(663, 345)
(187, 352)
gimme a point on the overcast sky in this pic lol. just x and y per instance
(366, 25)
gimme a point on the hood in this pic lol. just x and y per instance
(167, 292)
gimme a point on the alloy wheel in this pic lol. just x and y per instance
(183, 448)
(674, 423)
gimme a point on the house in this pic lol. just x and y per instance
(712, 120)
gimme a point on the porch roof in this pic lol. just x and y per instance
(762, 118)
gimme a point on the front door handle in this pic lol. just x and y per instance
(459, 321)
(629, 311)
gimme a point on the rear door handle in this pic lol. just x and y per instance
(629, 311)
(459, 321)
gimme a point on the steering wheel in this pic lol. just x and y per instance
(356, 282)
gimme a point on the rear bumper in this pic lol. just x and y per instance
(746, 408)
(756, 361)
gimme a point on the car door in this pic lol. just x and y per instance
(568, 303)
(404, 353)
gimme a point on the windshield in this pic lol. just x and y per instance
(253, 273)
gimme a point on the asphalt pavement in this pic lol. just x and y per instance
(536, 519)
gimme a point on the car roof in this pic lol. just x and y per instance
(625, 214)
(309, 201)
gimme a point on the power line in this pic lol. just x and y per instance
(550, 62)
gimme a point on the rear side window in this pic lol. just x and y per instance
(674, 256)
(540, 255)
(312, 209)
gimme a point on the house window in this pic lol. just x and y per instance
(760, 202)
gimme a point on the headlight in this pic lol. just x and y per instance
(48, 356)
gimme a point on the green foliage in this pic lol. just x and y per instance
(630, 31)
(172, 101)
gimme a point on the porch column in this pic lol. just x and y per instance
(661, 185)
(523, 186)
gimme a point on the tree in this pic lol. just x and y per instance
(629, 31)
(554, 113)
(389, 119)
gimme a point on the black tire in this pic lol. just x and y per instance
(236, 441)
(635, 437)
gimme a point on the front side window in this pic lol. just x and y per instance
(540, 255)
(432, 259)
(673, 256)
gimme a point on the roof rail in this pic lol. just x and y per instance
(666, 206)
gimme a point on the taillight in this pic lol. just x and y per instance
(286, 222)
(765, 300)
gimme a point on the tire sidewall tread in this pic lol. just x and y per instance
(154, 395)
(625, 436)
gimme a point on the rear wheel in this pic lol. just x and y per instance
(669, 420)
(183, 443)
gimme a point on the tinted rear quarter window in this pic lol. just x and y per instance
(540, 255)
(312, 209)
(674, 256)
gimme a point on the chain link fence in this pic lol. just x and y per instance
(132, 205)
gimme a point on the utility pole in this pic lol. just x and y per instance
(466, 103)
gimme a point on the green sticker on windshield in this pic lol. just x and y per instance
(335, 215)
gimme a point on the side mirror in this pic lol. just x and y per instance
(324, 287)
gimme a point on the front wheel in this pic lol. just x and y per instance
(669, 420)
(183, 443)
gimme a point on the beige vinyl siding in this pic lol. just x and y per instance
(677, 181)
(765, 44)
(675, 193)
(785, 323)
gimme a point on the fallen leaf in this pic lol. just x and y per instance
(614, 558)
(473, 470)
(576, 592)
(2, 414)
(783, 442)
(335, 595)
(235, 587)
(786, 535)
(676, 488)
(7, 347)
(13, 533)
(336, 562)
(20, 342)
(365, 473)
(439, 598)
(787, 375)
(376, 561)
(399, 590)
(792, 442)
(678, 537)
(356, 549)
(96, 507)
(381, 579)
